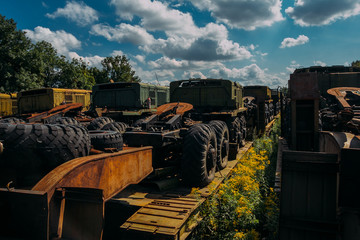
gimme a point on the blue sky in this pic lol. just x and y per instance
(250, 41)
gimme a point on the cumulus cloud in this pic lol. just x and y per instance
(155, 15)
(293, 65)
(62, 41)
(94, 61)
(292, 42)
(248, 75)
(173, 64)
(319, 63)
(210, 43)
(321, 12)
(184, 40)
(244, 14)
(193, 74)
(140, 58)
(123, 33)
(77, 12)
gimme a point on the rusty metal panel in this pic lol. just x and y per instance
(23, 214)
(163, 217)
(111, 172)
(308, 195)
(304, 86)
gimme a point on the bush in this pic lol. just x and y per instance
(245, 205)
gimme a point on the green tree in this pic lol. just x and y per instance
(14, 68)
(355, 63)
(74, 74)
(118, 69)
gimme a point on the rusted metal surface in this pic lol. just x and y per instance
(54, 112)
(110, 172)
(304, 86)
(335, 141)
(179, 107)
(343, 94)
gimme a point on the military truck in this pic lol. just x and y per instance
(127, 102)
(265, 107)
(195, 133)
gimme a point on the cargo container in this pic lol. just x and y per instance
(8, 104)
(44, 99)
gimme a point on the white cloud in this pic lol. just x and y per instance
(77, 12)
(117, 53)
(292, 42)
(123, 33)
(248, 75)
(94, 61)
(244, 14)
(210, 43)
(173, 64)
(155, 15)
(184, 40)
(193, 74)
(319, 63)
(294, 65)
(140, 58)
(321, 12)
(62, 41)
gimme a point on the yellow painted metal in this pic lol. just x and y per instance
(44, 99)
(8, 104)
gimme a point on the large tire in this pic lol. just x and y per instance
(35, 149)
(12, 120)
(99, 122)
(115, 126)
(198, 163)
(65, 121)
(101, 139)
(222, 140)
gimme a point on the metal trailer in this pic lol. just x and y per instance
(127, 102)
(69, 202)
(100, 197)
(44, 99)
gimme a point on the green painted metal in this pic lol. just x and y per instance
(217, 94)
(121, 96)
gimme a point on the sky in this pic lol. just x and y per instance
(254, 42)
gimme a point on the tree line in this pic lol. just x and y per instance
(25, 65)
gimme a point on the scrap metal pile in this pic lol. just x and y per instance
(341, 110)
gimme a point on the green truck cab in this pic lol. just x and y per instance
(127, 102)
(209, 95)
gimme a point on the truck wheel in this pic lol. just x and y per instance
(35, 149)
(101, 139)
(99, 122)
(138, 122)
(243, 131)
(222, 140)
(12, 120)
(65, 121)
(115, 126)
(198, 163)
